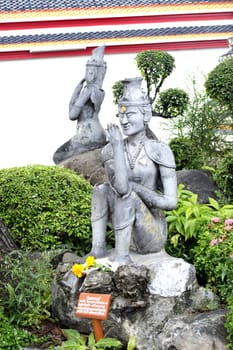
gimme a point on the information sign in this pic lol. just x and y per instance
(91, 305)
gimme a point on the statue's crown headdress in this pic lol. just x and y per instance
(97, 58)
(132, 94)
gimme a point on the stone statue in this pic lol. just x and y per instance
(142, 183)
(84, 107)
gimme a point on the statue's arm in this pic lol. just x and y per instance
(120, 179)
(77, 101)
(166, 200)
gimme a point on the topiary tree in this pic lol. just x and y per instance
(219, 83)
(46, 207)
(155, 67)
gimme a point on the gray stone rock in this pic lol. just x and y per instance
(199, 182)
(156, 299)
(87, 164)
(203, 331)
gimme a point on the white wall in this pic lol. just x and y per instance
(35, 95)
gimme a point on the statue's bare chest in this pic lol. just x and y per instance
(142, 169)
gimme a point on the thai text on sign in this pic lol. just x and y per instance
(91, 305)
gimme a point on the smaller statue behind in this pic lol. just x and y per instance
(142, 183)
(84, 107)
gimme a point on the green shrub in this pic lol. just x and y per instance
(172, 102)
(223, 175)
(213, 260)
(196, 130)
(187, 156)
(46, 206)
(25, 288)
(219, 83)
(188, 221)
(213, 255)
(13, 338)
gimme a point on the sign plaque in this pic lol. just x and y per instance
(91, 305)
(96, 307)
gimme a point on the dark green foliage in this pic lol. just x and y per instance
(25, 288)
(155, 67)
(185, 153)
(219, 83)
(223, 175)
(46, 206)
(203, 235)
(117, 90)
(198, 129)
(188, 221)
(171, 103)
(13, 338)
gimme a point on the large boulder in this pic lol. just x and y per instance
(199, 182)
(156, 299)
(87, 164)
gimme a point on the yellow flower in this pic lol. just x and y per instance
(78, 270)
(90, 261)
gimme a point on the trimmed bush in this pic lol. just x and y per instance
(219, 83)
(223, 175)
(46, 207)
(185, 153)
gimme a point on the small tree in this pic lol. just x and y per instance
(155, 67)
(219, 83)
(196, 130)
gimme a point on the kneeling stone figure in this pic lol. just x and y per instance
(142, 183)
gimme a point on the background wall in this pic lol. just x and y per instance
(35, 96)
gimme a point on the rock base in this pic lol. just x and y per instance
(156, 299)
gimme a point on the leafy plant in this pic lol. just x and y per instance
(213, 254)
(77, 342)
(14, 338)
(213, 259)
(187, 222)
(155, 67)
(223, 175)
(219, 83)
(198, 126)
(171, 103)
(46, 207)
(25, 288)
(187, 156)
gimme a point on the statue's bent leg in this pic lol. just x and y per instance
(99, 218)
(150, 229)
(123, 220)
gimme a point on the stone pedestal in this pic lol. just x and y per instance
(156, 298)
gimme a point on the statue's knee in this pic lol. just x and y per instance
(100, 190)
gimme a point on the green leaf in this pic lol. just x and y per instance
(74, 336)
(108, 342)
(91, 340)
(214, 203)
(131, 343)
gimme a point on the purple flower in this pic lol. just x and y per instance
(215, 220)
(228, 222)
(228, 227)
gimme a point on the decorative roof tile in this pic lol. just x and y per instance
(27, 25)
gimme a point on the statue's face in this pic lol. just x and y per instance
(90, 74)
(131, 120)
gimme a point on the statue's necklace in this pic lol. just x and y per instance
(133, 157)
